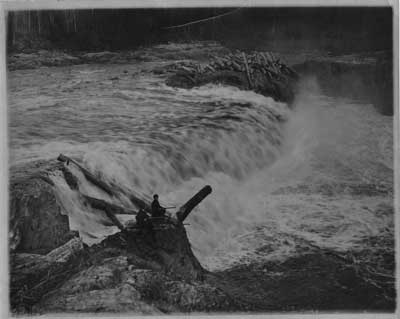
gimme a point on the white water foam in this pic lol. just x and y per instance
(157, 139)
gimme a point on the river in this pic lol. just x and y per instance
(318, 172)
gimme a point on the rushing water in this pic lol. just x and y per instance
(269, 165)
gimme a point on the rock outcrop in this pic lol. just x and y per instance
(33, 275)
(38, 223)
(133, 271)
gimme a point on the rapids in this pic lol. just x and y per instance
(319, 172)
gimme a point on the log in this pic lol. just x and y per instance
(247, 70)
(219, 63)
(186, 68)
(269, 58)
(236, 65)
(70, 178)
(190, 78)
(89, 176)
(101, 204)
(292, 72)
(260, 72)
(185, 210)
(211, 68)
(140, 203)
(110, 209)
(264, 58)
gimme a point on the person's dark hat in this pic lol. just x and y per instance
(155, 196)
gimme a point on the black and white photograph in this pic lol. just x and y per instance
(214, 159)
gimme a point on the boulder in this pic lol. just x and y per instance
(168, 250)
(33, 275)
(123, 299)
(117, 284)
(176, 295)
(97, 288)
(37, 221)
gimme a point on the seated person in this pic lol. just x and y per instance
(142, 219)
(156, 209)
